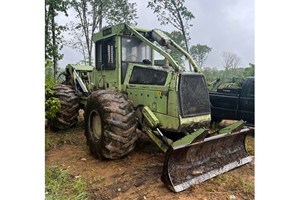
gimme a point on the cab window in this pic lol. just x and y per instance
(105, 54)
(135, 50)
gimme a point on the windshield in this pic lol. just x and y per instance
(134, 50)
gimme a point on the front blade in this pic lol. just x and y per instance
(194, 163)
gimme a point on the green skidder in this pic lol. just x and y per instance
(136, 83)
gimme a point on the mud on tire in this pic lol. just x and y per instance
(66, 116)
(110, 124)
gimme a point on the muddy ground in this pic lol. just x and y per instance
(137, 176)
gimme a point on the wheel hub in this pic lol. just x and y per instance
(95, 124)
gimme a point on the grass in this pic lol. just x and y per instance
(48, 143)
(232, 185)
(240, 185)
(250, 145)
(62, 185)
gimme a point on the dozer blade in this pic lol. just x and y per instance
(192, 164)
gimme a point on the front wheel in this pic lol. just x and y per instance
(110, 124)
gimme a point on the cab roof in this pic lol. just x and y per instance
(120, 29)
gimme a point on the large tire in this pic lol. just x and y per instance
(110, 124)
(66, 116)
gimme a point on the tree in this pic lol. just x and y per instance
(230, 60)
(77, 41)
(177, 37)
(249, 71)
(52, 104)
(91, 15)
(121, 11)
(175, 13)
(211, 73)
(53, 37)
(200, 53)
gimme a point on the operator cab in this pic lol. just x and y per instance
(138, 46)
(123, 51)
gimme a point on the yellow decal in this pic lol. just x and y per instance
(158, 93)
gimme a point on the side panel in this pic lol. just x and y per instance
(246, 110)
(234, 106)
(223, 106)
(246, 102)
(173, 103)
(162, 101)
(141, 88)
(151, 97)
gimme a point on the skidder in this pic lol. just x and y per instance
(129, 88)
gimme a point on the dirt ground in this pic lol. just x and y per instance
(137, 176)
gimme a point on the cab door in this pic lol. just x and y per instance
(106, 65)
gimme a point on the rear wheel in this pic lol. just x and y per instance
(110, 124)
(66, 116)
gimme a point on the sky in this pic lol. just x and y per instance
(225, 26)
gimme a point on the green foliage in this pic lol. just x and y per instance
(175, 53)
(62, 185)
(233, 72)
(52, 49)
(90, 15)
(172, 12)
(228, 77)
(211, 74)
(53, 31)
(49, 78)
(199, 53)
(249, 71)
(120, 11)
(175, 13)
(52, 7)
(52, 104)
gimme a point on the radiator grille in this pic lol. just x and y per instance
(193, 95)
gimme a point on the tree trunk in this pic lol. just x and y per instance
(100, 24)
(182, 30)
(100, 16)
(54, 46)
(46, 30)
(186, 45)
(90, 54)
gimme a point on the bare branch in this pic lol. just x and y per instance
(230, 60)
